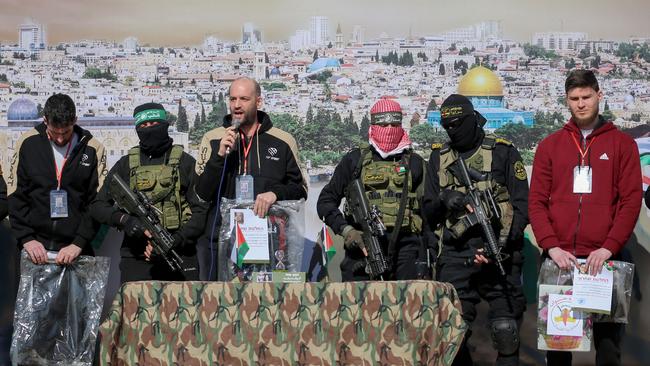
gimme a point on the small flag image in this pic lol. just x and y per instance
(328, 245)
(240, 248)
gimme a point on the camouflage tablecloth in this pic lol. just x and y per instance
(219, 323)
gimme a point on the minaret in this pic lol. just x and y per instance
(339, 37)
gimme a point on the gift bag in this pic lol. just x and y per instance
(550, 274)
(559, 327)
(58, 311)
(285, 227)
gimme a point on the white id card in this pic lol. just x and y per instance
(582, 179)
(245, 188)
(58, 203)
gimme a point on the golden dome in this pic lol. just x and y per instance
(480, 82)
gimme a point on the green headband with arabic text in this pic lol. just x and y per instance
(150, 115)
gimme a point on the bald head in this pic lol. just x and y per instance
(246, 82)
(244, 100)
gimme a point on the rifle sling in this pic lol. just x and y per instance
(402, 207)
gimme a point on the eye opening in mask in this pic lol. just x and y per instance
(453, 123)
(389, 123)
(456, 122)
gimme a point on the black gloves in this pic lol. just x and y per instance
(131, 226)
(453, 200)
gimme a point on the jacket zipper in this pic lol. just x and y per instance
(54, 222)
(575, 235)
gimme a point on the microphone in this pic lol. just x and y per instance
(235, 123)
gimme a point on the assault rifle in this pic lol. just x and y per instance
(137, 204)
(479, 202)
(371, 225)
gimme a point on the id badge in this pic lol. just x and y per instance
(582, 179)
(245, 188)
(58, 203)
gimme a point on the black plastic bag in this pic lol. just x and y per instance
(58, 311)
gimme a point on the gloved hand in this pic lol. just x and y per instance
(453, 200)
(353, 238)
(131, 226)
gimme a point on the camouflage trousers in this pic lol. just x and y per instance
(224, 323)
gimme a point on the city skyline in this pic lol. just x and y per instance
(149, 21)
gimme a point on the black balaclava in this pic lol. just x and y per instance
(462, 123)
(467, 136)
(154, 140)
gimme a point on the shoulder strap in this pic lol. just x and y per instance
(134, 163)
(489, 141)
(406, 160)
(445, 148)
(134, 157)
(175, 156)
(365, 157)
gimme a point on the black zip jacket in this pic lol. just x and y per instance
(33, 176)
(272, 161)
(105, 212)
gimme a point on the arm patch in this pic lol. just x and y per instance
(520, 170)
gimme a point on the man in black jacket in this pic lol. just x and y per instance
(164, 173)
(246, 152)
(56, 171)
(385, 167)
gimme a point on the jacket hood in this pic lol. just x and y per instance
(262, 117)
(83, 134)
(41, 128)
(601, 127)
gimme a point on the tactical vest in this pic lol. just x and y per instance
(480, 161)
(384, 182)
(162, 185)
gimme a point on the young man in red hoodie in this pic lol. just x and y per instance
(585, 197)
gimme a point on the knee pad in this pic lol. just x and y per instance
(505, 335)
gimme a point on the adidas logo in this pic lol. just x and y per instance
(604, 157)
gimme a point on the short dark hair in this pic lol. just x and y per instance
(59, 111)
(581, 79)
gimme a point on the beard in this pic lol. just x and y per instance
(585, 120)
(247, 118)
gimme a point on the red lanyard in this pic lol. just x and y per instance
(247, 149)
(59, 173)
(583, 153)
